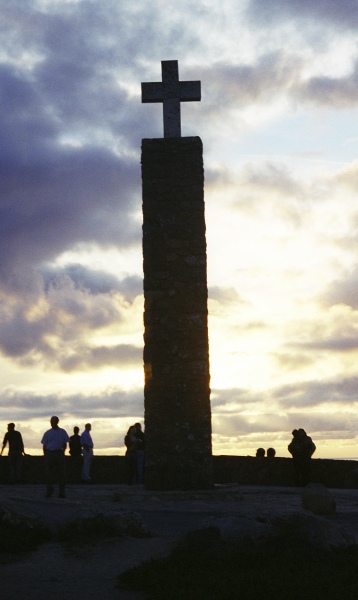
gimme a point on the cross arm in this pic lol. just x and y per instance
(190, 91)
(152, 92)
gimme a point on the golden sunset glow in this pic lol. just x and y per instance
(278, 125)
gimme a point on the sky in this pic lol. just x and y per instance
(278, 121)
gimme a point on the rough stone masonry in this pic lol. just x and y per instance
(176, 349)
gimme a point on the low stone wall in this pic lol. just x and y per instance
(245, 470)
(279, 471)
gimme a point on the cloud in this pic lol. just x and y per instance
(70, 132)
(348, 176)
(86, 358)
(308, 394)
(259, 81)
(224, 398)
(57, 326)
(94, 281)
(244, 425)
(333, 331)
(224, 295)
(112, 403)
(294, 361)
(342, 15)
(343, 290)
(330, 91)
(57, 202)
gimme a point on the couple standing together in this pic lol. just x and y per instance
(82, 445)
(134, 442)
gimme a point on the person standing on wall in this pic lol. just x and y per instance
(301, 447)
(16, 452)
(87, 451)
(54, 442)
(140, 452)
(76, 453)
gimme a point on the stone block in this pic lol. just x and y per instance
(318, 499)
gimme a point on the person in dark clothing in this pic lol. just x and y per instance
(75, 443)
(140, 452)
(16, 452)
(301, 448)
(270, 452)
(76, 453)
(131, 443)
(54, 443)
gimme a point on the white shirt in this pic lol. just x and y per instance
(55, 439)
(86, 439)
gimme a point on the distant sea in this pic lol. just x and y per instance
(355, 458)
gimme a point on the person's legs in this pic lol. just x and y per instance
(49, 464)
(12, 463)
(61, 474)
(140, 466)
(306, 471)
(86, 469)
(131, 464)
(18, 467)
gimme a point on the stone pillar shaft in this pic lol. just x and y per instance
(176, 349)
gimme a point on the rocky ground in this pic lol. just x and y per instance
(89, 570)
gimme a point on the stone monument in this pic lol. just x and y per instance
(176, 349)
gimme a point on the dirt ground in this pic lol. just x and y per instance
(55, 572)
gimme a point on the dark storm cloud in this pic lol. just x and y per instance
(70, 126)
(69, 177)
(53, 198)
(342, 14)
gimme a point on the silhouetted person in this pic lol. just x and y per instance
(140, 452)
(76, 452)
(131, 443)
(87, 451)
(54, 442)
(270, 452)
(75, 443)
(16, 452)
(301, 448)
(260, 452)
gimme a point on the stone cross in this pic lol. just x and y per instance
(171, 92)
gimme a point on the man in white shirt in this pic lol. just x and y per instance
(87, 451)
(54, 442)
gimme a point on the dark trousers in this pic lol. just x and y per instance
(15, 466)
(302, 471)
(131, 466)
(140, 466)
(55, 470)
